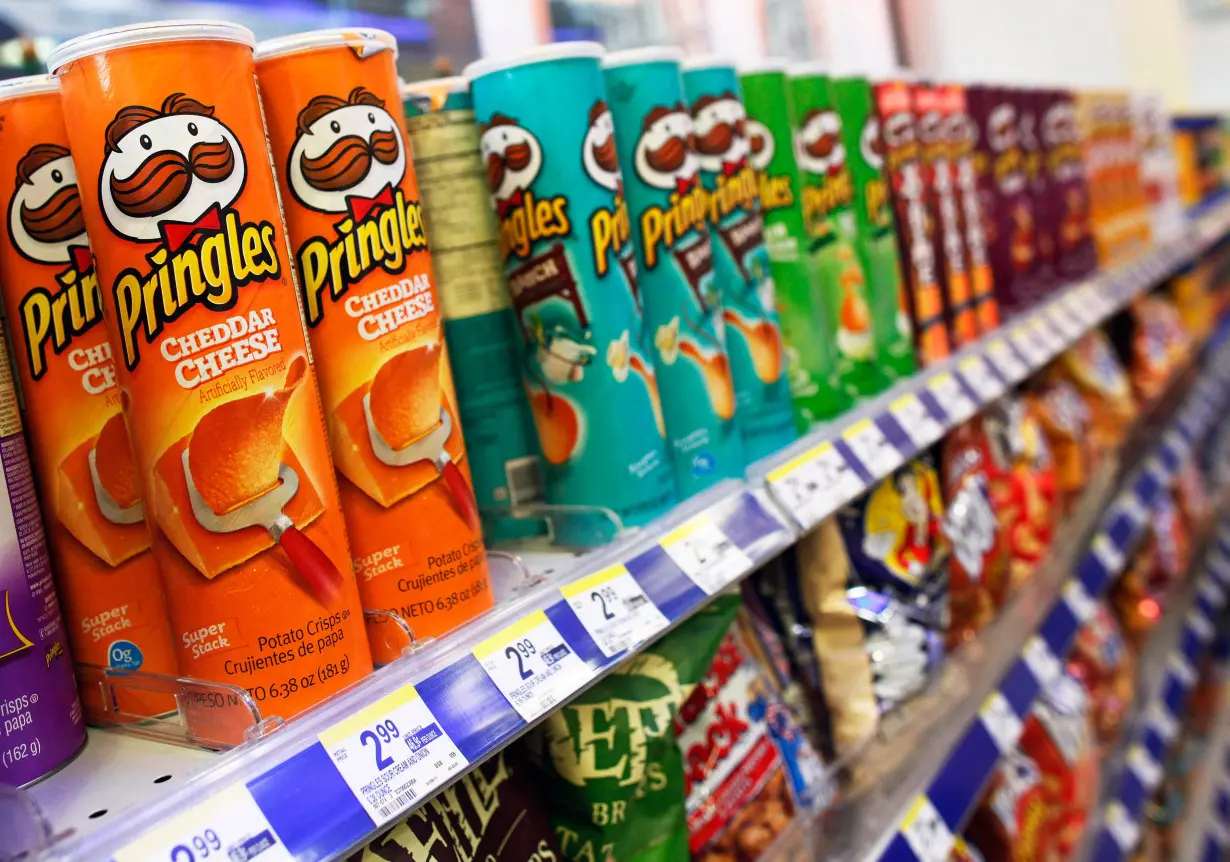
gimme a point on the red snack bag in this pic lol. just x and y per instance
(1101, 662)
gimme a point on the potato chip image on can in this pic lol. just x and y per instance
(355, 220)
(107, 579)
(212, 367)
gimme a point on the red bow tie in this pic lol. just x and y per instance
(683, 186)
(732, 168)
(175, 234)
(507, 205)
(361, 207)
(82, 260)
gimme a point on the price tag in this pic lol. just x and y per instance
(1108, 555)
(1005, 359)
(705, 554)
(872, 448)
(1001, 721)
(1041, 661)
(916, 421)
(1159, 718)
(1220, 567)
(1078, 601)
(1182, 669)
(981, 379)
(1079, 309)
(1211, 592)
(1034, 352)
(926, 832)
(532, 664)
(1219, 832)
(951, 396)
(1048, 335)
(392, 753)
(1064, 323)
(1199, 625)
(1122, 827)
(227, 825)
(1140, 761)
(1131, 506)
(814, 485)
(614, 610)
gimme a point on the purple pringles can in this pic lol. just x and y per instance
(41, 725)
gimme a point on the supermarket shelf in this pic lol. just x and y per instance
(299, 791)
(1206, 832)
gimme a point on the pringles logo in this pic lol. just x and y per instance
(514, 160)
(47, 227)
(664, 160)
(609, 228)
(722, 150)
(170, 179)
(871, 147)
(776, 192)
(349, 160)
(819, 151)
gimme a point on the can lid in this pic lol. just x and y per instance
(764, 64)
(541, 54)
(428, 86)
(29, 85)
(367, 39)
(143, 34)
(649, 54)
(810, 69)
(707, 61)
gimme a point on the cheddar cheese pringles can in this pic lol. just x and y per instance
(355, 221)
(212, 365)
(565, 234)
(741, 261)
(108, 580)
(670, 228)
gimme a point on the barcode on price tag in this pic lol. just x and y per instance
(814, 485)
(1199, 625)
(1140, 761)
(614, 609)
(1001, 721)
(532, 664)
(1035, 353)
(1005, 359)
(707, 556)
(1041, 661)
(1182, 669)
(916, 420)
(1160, 719)
(981, 379)
(952, 397)
(1078, 600)
(391, 753)
(926, 832)
(872, 448)
(1123, 829)
(227, 825)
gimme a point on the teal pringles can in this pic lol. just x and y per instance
(481, 333)
(552, 166)
(740, 259)
(668, 206)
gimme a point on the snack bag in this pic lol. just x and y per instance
(1159, 346)
(1092, 365)
(1100, 661)
(1064, 417)
(1133, 596)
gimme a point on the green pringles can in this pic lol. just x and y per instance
(828, 207)
(740, 259)
(890, 316)
(479, 328)
(670, 228)
(803, 271)
(553, 172)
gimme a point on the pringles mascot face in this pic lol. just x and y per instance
(663, 156)
(169, 172)
(513, 157)
(45, 217)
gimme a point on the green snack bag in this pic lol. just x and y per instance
(796, 256)
(890, 317)
(613, 770)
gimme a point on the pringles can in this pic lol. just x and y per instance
(803, 274)
(41, 726)
(107, 578)
(1075, 255)
(565, 234)
(741, 261)
(877, 227)
(1029, 105)
(669, 211)
(212, 364)
(368, 293)
(828, 204)
(480, 329)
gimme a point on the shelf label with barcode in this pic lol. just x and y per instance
(532, 665)
(1063, 321)
(872, 448)
(1004, 358)
(1123, 829)
(1108, 554)
(392, 753)
(1041, 661)
(981, 378)
(614, 609)
(1131, 506)
(227, 825)
(1028, 346)
(1182, 668)
(1199, 625)
(951, 396)
(1047, 334)
(1078, 601)
(1148, 770)
(1079, 307)
(1159, 717)
(1001, 721)
(814, 485)
(1211, 592)
(916, 420)
(1219, 565)
(926, 832)
(706, 554)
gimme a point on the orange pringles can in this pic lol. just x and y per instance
(211, 359)
(337, 129)
(107, 578)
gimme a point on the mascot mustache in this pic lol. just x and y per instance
(348, 160)
(163, 179)
(58, 220)
(516, 157)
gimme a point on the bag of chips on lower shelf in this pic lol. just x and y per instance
(1159, 346)
(1101, 662)
(1092, 365)
(1064, 417)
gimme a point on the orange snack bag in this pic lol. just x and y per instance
(211, 360)
(107, 578)
(356, 224)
